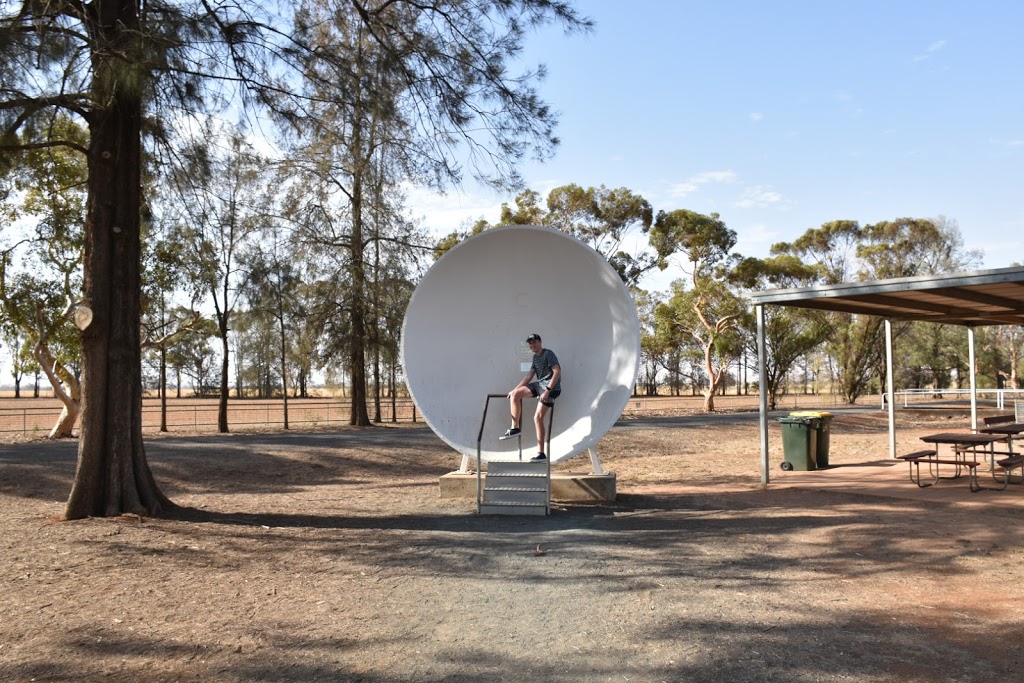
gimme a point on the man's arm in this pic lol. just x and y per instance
(556, 374)
(525, 380)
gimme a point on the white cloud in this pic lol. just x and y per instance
(441, 214)
(695, 182)
(756, 239)
(930, 50)
(1016, 142)
(841, 95)
(756, 116)
(759, 197)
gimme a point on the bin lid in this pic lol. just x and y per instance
(810, 413)
(804, 420)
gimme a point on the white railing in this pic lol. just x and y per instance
(915, 396)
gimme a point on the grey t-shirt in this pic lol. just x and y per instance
(542, 365)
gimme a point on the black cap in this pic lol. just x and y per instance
(533, 337)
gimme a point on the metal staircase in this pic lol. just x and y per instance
(513, 486)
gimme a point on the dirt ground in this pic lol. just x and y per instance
(328, 556)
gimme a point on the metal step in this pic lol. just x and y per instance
(524, 489)
(516, 475)
(495, 466)
(516, 487)
(513, 509)
(516, 495)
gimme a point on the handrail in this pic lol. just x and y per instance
(479, 438)
(479, 462)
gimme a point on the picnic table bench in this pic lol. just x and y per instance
(1008, 465)
(1004, 424)
(929, 456)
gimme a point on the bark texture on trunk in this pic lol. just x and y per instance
(113, 476)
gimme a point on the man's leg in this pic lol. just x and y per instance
(538, 422)
(515, 404)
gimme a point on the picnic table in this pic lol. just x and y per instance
(1012, 430)
(963, 443)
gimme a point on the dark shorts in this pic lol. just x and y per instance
(536, 391)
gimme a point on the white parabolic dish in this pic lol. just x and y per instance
(465, 333)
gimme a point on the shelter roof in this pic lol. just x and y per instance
(984, 297)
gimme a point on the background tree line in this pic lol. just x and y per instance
(229, 236)
(700, 336)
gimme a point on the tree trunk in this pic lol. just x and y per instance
(709, 395)
(357, 353)
(222, 404)
(69, 393)
(392, 384)
(163, 369)
(284, 362)
(113, 476)
(64, 429)
(163, 389)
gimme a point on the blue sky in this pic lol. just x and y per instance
(781, 116)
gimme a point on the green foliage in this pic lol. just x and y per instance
(449, 241)
(845, 251)
(598, 216)
(789, 333)
(709, 313)
(40, 273)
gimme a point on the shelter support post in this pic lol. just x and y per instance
(890, 390)
(762, 392)
(974, 386)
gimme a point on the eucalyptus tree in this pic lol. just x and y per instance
(17, 351)
(394, 269)
(444, 244)
(705, 311)
(845, 251)
(270, 290)
(111, 63)
(652, 347)
(305, 349)
(930, 355)
(162, 320)
(789, 333)
(255, 347)
(526, 210)
(601, 217)
(225, 200)
(198, 358)
(40, 262)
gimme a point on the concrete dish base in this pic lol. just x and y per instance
(566, 487)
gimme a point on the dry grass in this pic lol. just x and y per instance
(328, 556)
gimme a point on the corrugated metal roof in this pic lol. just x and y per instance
(984, 297)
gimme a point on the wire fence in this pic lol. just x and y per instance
(35, 417)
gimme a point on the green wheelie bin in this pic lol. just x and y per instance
(799, 442)
(824, 427)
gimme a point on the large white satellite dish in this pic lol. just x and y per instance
(465, 333)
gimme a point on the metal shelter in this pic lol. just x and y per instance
(973, 299)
